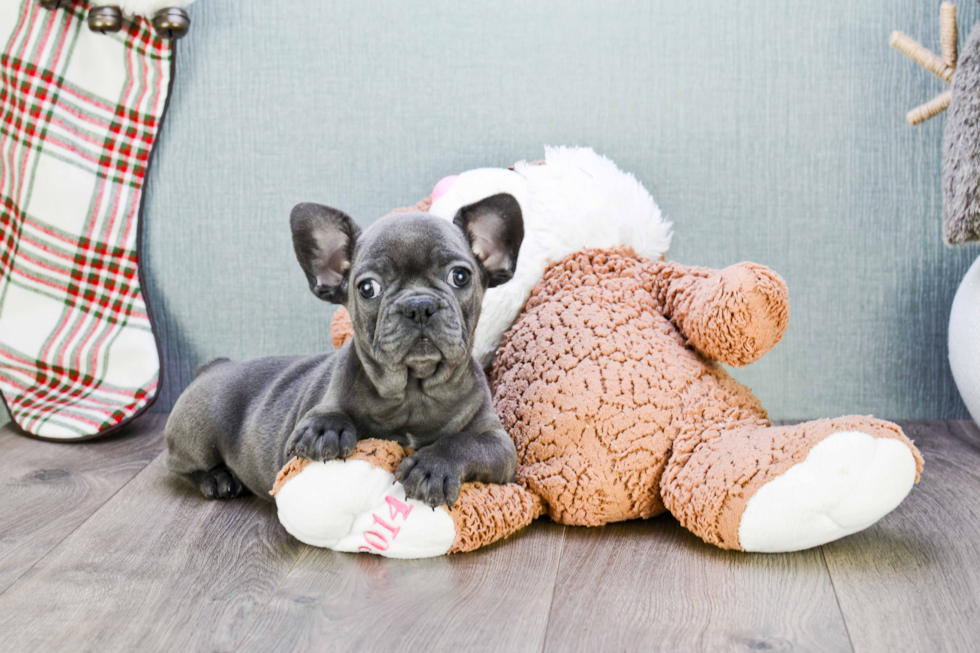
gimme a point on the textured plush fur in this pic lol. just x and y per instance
(607, 385)
(961, 149)
(596, 204)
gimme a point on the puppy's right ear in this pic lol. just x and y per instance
(324, 240)
(495, 228)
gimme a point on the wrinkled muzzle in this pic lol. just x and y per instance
(420, 330)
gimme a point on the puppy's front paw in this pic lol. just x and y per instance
(323, 437)
(431, 477)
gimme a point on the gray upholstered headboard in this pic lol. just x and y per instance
(766, 131)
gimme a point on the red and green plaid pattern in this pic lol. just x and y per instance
(79, 112)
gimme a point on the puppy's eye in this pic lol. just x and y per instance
(369, 288)
(459, 277)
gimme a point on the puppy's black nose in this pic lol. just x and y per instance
(419, 309)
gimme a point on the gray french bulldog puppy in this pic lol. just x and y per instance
(413, 285)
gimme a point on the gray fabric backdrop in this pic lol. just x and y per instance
(767, 131)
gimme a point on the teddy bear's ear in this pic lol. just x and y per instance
(494, 227)
(324, 240)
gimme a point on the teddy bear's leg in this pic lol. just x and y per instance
(760, 488)
(734, 315)
(356, 505)
(487, 513)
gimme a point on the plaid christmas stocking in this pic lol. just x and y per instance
(79, 113)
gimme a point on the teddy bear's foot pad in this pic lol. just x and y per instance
(355, 506)
(847, 482)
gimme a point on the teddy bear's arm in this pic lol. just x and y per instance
(734, 315)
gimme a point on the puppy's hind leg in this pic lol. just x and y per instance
(196, 433)
(193, 456)
(219, 483)
(215, 482)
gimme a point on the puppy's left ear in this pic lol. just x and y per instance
(494, 227)
(324, 240)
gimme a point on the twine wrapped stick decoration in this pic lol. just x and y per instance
(943, 67)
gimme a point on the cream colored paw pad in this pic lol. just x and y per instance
(355, 506)
(846, 483)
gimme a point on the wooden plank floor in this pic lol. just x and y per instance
(100, 549)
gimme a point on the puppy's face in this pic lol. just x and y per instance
(412, 283)
(415, 292)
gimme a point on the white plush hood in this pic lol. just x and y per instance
(578, 199)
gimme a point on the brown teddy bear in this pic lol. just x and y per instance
(610, 385)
